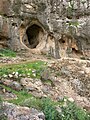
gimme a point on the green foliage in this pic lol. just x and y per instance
(72, 112)
(83, 1)
(69, 11)
(68, 110)
(0, 104)
(3, 117)
(7, 53)
(70, 8)
(21, 95)
(48, 107)
(73, 23)
(32, 102)
(29, 69)
(41, 6)
(83, 58)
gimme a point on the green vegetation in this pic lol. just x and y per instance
(48, 107)
(72, 112)
(29, 69)
(53, 110)
(67, 110)
(23, 98)
(7, 53)
(69, 11)
(73, 23)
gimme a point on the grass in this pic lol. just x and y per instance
(72, 112)
(30, 69)
(24, 98)
(7, 53)
(68, 110)
(21, 95)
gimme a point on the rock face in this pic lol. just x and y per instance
(59, 28)
(14, 112)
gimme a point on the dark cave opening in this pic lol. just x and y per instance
(76, 51)
(33, 35)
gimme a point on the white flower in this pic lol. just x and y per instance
(28, 73)
(65, 104)
(16, 73)
(62, 115)
(13, 73)
(5, 76)
(45, 63)
(71, 99)
(33, 71)
(34, 74)
(65, 100)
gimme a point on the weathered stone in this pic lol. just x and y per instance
(58, 29)
(15, 85)
(6, 82)
(14, 112)
(45, 74)
(32, 85)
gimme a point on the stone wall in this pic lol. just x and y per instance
(65, 26)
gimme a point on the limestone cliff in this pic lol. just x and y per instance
(59, 28)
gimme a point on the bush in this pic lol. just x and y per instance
(48, 107)
(72, 112)
(68, 112)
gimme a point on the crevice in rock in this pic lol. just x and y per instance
(75, 51)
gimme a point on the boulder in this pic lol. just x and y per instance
(14, 112)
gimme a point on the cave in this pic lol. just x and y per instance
(75, 51)
(33, 36)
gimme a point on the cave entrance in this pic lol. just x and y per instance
(33, 36)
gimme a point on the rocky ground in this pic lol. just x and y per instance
(22, 113)
(66, 77)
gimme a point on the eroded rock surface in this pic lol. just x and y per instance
(14, 112)
(60, 28)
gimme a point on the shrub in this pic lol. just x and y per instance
(48, 107)
(72, 112)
